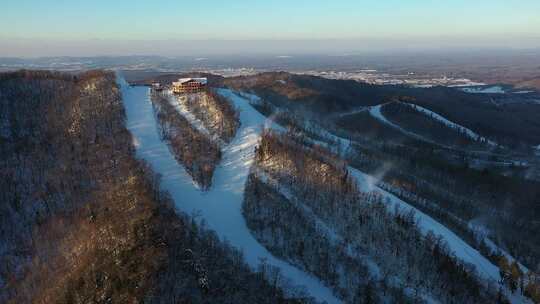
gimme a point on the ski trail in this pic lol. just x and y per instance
(470, 133)
(353, 112)
(375, 111)
(179, 104)
(463, 251)
(220, 207)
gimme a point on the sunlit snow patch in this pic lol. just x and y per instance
(484, 90)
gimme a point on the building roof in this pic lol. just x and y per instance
(203, 80)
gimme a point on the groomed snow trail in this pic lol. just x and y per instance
(375, 111)
(484, 90)
(180, 106)
(463, 251)
(221, 206)
(470, 133)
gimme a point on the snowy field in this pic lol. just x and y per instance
(220, 207)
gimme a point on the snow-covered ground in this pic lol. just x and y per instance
(484, 90)
(283, 190)
(334, 236)
(375, 111)
(354, 111)
(220, 207)
(453, 125)
(462, 250)
(466, 253)
(486, 270)
(179, 104)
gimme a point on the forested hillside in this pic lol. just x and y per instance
(83, 221)
(216, 113)
(303, 204)
(194, 149)
(406, 116)
(321, 96)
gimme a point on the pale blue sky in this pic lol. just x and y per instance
(122, 20)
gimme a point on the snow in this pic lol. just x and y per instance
(329, 232)
(466, 83)
(454, 125)
(181, 81)
(179, 104)
(375, 111)
(220, 207)
(523, 92)
(354, 111)
(486, 270)
(423, 86)
(492, 246)
(321, 226)
(484, 90)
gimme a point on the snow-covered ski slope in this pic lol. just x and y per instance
(484, 90)
(486, 270)
(220, 207)
(463, 251)
(179, 104)
(375, 111)
(470, 133)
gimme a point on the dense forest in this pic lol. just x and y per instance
(505, 205)
(196, 151)
(502, 122)
(406, 116)
(303, 205)
(83, 221)
(217, 114)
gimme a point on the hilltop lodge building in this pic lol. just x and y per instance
(189, 85)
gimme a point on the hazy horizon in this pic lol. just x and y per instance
(31, 48)
(30, 28)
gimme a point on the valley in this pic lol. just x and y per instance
(367, 201)
(464, 252)
(269, 152)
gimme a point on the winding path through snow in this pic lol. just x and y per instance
(470, 133)
(375, 111)
(220, 207)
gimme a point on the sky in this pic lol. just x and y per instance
(46, 27)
